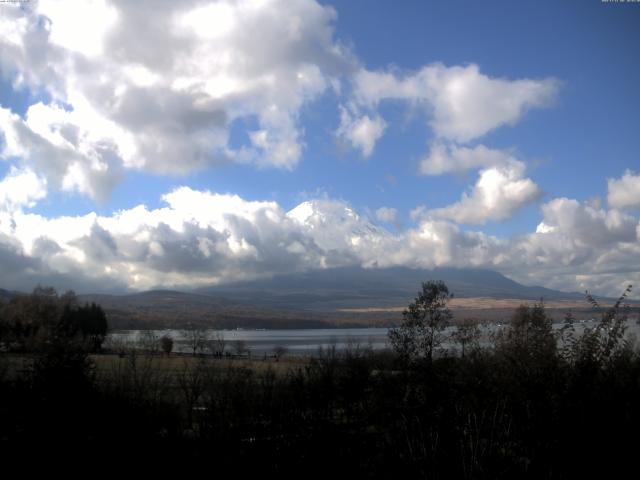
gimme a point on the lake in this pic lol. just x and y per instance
(308, 341)
(259, 342)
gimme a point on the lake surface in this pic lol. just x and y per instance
(308, 341)
(259, 342)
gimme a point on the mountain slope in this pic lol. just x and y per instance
(346, 296)
(359, 287)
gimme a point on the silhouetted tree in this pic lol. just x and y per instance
(279, 352)
(467, 334)
(217, 345)
(35, 322)
(529, 338)
(240, 346)
(196, 339)
(599, 345)
(166, 343)
(149, 342)
(420, 333)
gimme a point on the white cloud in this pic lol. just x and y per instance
(338, 230)
(451, 158)
(585, 225)
(21, 188)
(387, 214)
(86, 36)
(362, 132)
(58, 145)
(160, 87)
(497, 195)
(138, 85)
(203, 238)
(464, 104)
(578, 247)
(625, 191)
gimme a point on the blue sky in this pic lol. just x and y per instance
(339, 106)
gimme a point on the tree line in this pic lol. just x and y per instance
(44, 320)
(533, 402)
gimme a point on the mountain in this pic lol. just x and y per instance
(349, 296)
(160, 309)
(356, 287)
(6, 294)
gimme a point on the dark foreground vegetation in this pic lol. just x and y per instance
(531, 405)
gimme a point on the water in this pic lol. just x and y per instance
(259, 342)
(308, 341)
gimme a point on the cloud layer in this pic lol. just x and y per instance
(204, 238)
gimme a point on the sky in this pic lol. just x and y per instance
(178, 144)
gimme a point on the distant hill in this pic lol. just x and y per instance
(6, 294)
(160, 309)
(342, 297)
(354, 287)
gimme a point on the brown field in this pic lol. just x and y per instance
(14, 366)
(479, 308)
(479, 303)
(175, 362)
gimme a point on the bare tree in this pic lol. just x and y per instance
(191, 381)
(217, 344)
(240, 346)
(196, 339)
(279, 352)
(467, 335)
(149, 342)
(118, 344)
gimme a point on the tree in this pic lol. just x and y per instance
(217, 344)
(467, 334)
(529, 338)
(599, 345)
(196, 339)
(240, 346)
(166, 343)
(420, 333)
(37, 321)
(149, 342)
(279, 351)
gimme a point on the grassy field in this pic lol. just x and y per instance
(176, 363)
(13, 365)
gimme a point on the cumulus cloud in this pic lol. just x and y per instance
(578, 247)
(158, 87)
(625, 191)
(202, 238)
(387, 214)
(587, 225)
(497, 195)
(362, 132)
(21, 188)
(464, 104)
(161, 85)
(57, 144)
(198, 238)
(451, 158)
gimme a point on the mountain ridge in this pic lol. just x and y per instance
(339, 297)
(376, 287)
